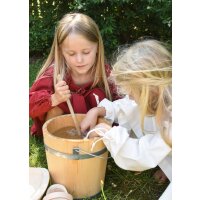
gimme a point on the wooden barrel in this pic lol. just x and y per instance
(71, 161)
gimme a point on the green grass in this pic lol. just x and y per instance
(119, 184)
(34, 67)
(37, 157)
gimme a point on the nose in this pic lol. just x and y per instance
(79, 58)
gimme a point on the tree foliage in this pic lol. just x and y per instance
(120, 21)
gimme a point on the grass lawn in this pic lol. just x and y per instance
(119, 184)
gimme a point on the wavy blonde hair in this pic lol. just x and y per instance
(84, 25)
(145, 70)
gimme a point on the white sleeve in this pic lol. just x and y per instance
(135, 154)
(121, 111)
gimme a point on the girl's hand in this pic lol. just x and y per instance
(62, 93)
(90, 120)
(103, 129)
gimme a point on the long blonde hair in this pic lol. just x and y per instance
(145, 69)
(84, 25)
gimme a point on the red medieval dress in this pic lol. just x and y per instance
(83, 98)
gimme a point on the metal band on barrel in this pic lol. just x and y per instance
(75, 155)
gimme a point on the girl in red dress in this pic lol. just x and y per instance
(77, 56)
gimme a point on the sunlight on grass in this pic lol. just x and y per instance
(37, 157)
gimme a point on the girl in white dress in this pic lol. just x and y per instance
(143, 72)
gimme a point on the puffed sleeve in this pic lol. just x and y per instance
(135, 154)
(40, 97)
(122, 111)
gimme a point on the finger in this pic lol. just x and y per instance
(65, 95)
(66, 92)
(68, 96)
(64, 88)
(61, 83)
(84, 127)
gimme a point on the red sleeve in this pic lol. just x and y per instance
(113, 91)
(40, 96)
(112, 86)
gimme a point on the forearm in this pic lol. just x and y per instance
(54, 101)
(120, 111)
(90, 120)
(135, 154)
(40, 97)
(101, 111)
(39, 106)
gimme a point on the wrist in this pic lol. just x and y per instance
(101, 111)
(54, 101)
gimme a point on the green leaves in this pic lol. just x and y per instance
(120, 21)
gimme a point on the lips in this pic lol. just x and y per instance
(81, 66)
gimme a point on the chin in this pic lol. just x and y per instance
(83, 71)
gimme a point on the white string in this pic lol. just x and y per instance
(96, 98)
(94, 143)
(100, 132)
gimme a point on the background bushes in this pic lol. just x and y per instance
(120, 21)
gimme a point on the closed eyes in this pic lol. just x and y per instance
(72, 54)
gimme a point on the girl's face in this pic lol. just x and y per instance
(79, 53)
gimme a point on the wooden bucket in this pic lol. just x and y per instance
(71, 161)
